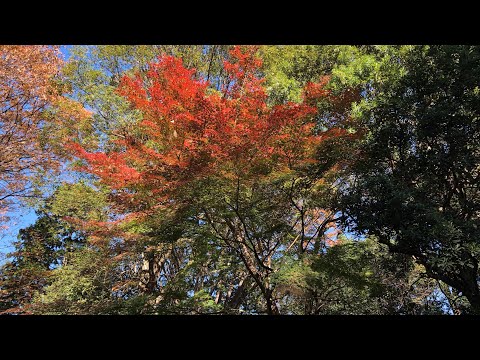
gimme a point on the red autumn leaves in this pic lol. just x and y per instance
(189, 130)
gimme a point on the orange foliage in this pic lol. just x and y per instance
(189, 131)
(27, 90)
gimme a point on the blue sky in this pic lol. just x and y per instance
(65, 49)
(20, 218)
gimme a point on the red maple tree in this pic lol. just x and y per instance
(189, 130)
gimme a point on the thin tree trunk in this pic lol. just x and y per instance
(272, 308)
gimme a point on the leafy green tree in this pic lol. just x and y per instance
(86, 285)
(289, 68)
(40, 248)
(355, 277)
(415, 185)
(47, 244)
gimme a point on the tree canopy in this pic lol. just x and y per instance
(242, 179)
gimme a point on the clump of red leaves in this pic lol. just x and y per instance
(189, 131)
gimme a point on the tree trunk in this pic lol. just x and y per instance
(148, 279)
(464, 280)
(272, 308)
(474, 300)
(152, 263)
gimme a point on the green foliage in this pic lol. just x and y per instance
(48, 243)
(353, 277)
(80, 201)
(93, 74)
(289, 68)
(82, 286)
(40, 248)
(415, 180)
